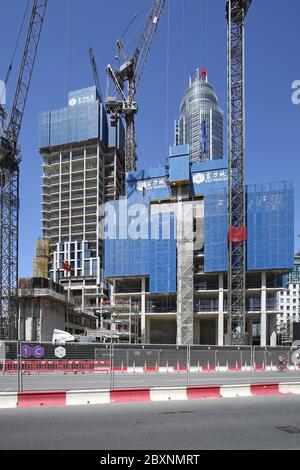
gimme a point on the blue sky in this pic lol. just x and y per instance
(272, 64)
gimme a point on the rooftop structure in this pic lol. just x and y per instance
(200, 124)
(45, 306)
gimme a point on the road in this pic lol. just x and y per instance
(96, 381)
(230, 423)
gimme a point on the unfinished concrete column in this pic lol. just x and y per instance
(113, 290)
(143, 311)
(263, 323)
(272, 330)
(196, 331)
(21, 323)
(147, 330)
(40, 319)
(221, 312)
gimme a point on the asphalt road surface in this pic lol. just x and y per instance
(229, 423)
(96, 381)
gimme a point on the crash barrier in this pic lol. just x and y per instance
(109, 364)
(98, 357)
(89, 367)
(56, 398)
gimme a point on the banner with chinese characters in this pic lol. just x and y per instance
(215, 176)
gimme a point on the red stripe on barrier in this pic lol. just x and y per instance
(30, 399)
(208, 369)
(193, 393)
(181, 369)
(265, 389)
(130, 395)
(119, 369)
(151, 369)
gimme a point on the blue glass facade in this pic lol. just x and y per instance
(270, 220)
(270, 224)
(84, 119)
(151, 258)
(216, 232)
(270, 228)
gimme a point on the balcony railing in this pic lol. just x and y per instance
(203, 309)
(206, 286)
(198, 269)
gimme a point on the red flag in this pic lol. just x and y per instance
(67, 266)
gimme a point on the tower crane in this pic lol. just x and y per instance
(130, 71)
(237, 237)
(9, 179)
(95, 73)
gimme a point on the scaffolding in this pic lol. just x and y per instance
(285, 333)
(185, 273)
(41, 259)
(119, 322)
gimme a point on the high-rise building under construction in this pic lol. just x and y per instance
(200, 124)
(83, 167)
(176, 268)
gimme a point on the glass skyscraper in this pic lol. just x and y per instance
(201, 120)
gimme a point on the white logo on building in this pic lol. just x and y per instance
(72, 102)
(157, 183)
(60, 352)
(141, 185)
(86, 99)
(215, 176)
(199, 178)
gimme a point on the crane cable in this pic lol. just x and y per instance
(140, 27)
(69, 43)
(183, 41)
(133, 34)
(17, 44)
(204, 28)
(168, 79)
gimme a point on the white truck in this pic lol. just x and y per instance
(62, 337)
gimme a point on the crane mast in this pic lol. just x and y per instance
(9, 180)
(130, 71)
(236, 13)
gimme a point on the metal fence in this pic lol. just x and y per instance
(74, 366)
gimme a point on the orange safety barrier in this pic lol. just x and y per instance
(56, 366)
(101, 366)
(10, 366)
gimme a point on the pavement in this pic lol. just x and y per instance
(271, 422)
(9, 383)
